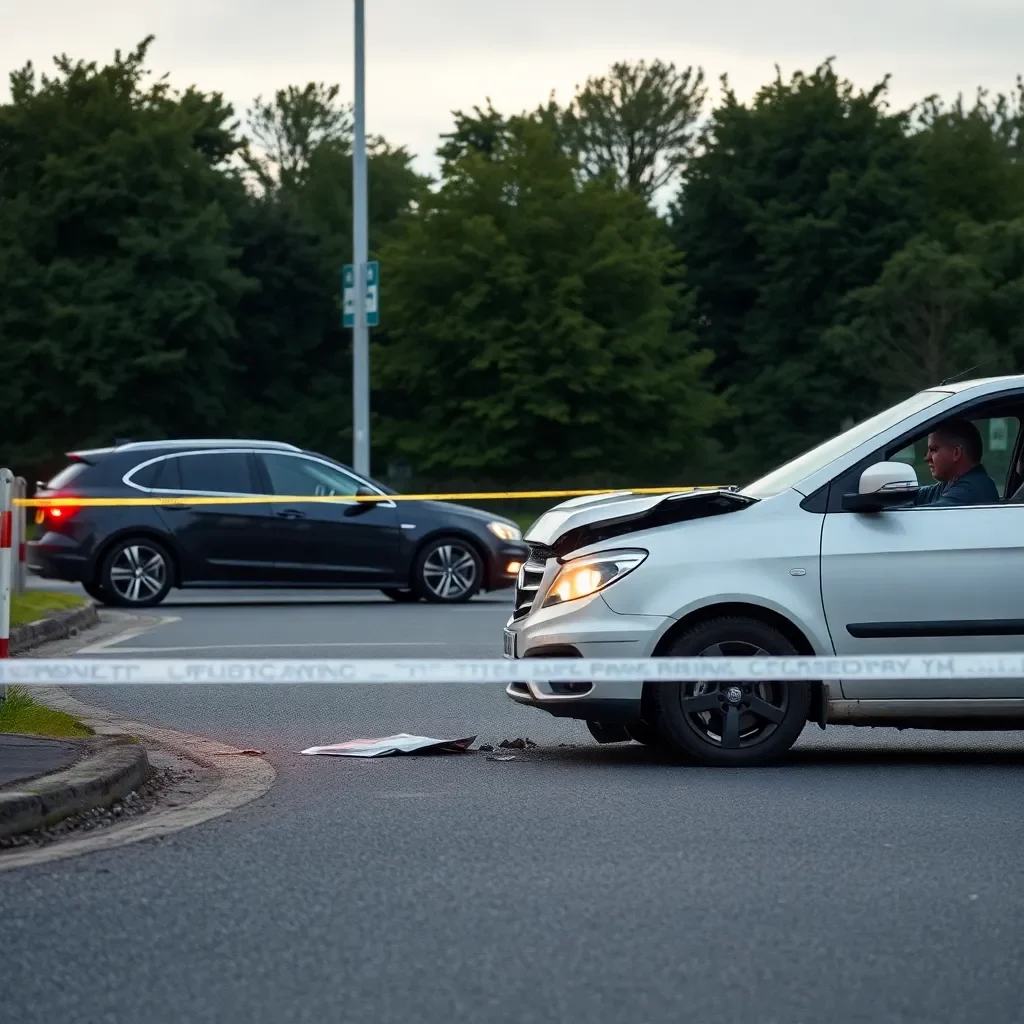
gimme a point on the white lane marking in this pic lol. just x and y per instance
(292, 646)
(129, 634)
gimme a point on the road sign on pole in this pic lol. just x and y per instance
(348, 285)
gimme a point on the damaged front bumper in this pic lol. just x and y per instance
(587, 628)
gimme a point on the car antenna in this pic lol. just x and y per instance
(970, 369)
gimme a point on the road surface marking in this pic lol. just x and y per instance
(104, 648)
(127, 634)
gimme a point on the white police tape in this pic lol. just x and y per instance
(188, 671)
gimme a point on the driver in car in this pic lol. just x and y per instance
(954, 457)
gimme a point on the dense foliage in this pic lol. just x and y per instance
(168, 270)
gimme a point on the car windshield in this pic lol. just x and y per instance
(792, 472)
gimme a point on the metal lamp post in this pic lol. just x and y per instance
(360, 253)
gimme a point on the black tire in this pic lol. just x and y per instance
(448, 570)
(607, 733)
(97, 593)
(123, 586)
(731, 723)
(401, 596)
(648, 735)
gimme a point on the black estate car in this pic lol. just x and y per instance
(132, 555)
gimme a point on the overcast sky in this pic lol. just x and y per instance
(428, 57)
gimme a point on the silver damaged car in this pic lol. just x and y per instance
(826, 555)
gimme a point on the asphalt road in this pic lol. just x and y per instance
(874, 876)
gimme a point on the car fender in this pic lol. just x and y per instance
(735, 603)
(768, 556)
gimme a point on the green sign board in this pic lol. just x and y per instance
(348, 286)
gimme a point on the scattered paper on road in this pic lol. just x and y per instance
(400, 743)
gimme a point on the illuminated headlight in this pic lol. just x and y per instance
(504, 531)
(585, 576)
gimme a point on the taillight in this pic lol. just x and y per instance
(54, 515)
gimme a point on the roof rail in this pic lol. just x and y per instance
(208, 442)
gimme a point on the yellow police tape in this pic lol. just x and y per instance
(263, 499)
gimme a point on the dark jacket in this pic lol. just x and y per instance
(975, 487)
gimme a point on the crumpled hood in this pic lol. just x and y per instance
(581, 521)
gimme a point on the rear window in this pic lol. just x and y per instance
(66, 475)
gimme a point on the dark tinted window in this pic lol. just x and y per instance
(151, 475)
(298, 477)
(66, 475)
(226, 472)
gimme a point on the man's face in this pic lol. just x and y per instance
(943, 458)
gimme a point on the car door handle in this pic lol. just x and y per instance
(291, 513)
(176, 508)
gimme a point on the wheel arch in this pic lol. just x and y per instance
(789, 629)
(459, 533)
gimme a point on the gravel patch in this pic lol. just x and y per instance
(161, 782)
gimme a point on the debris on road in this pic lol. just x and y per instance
(502, 757)
(240, 753)
(485, 747)
(517, 744)
(400, 743)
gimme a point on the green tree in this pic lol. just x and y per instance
(999, 249)
(938, 311)
(291, 127)
(293, 381)
(637, 123)
(294, 234)
(919, 323)
(971, 160)
(530, 324)
(117, 278)
(795, 200)
(305, 162)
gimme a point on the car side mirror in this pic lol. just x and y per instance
(882, 485)
(358, 508)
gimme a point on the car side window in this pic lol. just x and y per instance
(300, 477)
(151, 476)
(213, 472)
(998, 434)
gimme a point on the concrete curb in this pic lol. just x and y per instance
(55, 627)
(114, 766)
(240, 780)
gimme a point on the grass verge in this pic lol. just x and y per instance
(37, 604)
(20, 713)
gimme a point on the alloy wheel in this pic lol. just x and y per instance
(450, 571)
(731, 715)
(137, 573)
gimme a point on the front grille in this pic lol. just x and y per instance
(529, 579)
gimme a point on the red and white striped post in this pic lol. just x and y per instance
(6, 529)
